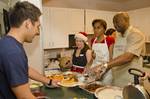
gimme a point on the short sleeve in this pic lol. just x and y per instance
(110, 40)
(135, 43)
(16, 68)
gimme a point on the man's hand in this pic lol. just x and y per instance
(95, 69)
(55, 83)
(102, 72)
(93, 72)
(99, 71)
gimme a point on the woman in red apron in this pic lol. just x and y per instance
(82, 54)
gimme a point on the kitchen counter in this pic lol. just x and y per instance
(67, 93)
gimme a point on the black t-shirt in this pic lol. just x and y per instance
(13, 66)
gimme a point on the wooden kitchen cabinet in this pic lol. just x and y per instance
(46, 36)
(55, 28)
(76, 21)
(58, 23)
(90, 15)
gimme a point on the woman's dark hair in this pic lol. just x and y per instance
(23, 11)
(101, 21)
(86, 47)
(109, 31)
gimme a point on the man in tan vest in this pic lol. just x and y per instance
(128, 48)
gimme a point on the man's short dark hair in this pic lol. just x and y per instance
(101, 21)
(23, 11)
(121, 15)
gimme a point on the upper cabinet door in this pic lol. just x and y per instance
(76, 21)
(90, 15)
(58, 23)
(55, 28)
(59, 27)
(46, 28)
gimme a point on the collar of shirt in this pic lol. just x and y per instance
(127, 31)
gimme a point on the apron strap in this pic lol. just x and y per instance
(94, 40)
(104, 40)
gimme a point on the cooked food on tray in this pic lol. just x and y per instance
(56, 77)
(65, 79)
(69, 80)
(93, 87)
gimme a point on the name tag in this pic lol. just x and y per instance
(81, 54)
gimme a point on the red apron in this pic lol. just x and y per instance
(77, 69)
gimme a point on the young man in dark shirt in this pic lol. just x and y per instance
(14, 68)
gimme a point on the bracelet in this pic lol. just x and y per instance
(50, 82)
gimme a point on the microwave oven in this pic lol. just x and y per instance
(72, 44)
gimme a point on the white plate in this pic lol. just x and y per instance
(50, 86)
(67, 72)
(73, 84)
(35, 85)
(109, 92)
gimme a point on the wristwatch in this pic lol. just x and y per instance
(50, 82)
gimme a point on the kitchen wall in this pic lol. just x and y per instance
(2, 6)
(12, 2)
(85, 4)
(141, 19)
